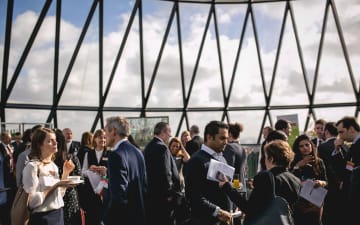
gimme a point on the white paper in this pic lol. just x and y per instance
(314, 195)
(94, 179)
(218, 169)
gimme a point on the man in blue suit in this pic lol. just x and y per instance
(127, 176)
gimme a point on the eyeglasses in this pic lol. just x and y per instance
(304, 145)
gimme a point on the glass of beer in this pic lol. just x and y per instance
(236, 181)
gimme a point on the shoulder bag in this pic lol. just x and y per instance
(278, 211)
(20, 211)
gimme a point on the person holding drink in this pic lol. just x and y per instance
(41, 180)
(235, 154)
(278, 156)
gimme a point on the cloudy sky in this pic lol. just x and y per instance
(34, 84)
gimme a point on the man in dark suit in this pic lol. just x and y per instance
(8, 175)
(163, 177)
(349, 131)
(234, 153)
(127, 176)
(334, 201)
(196, 141)
(71, 145)
(319, 131)
(209, 205)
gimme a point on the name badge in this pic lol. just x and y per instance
(105, 158)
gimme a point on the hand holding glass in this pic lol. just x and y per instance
(236, 181)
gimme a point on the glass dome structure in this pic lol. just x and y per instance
(74, 63)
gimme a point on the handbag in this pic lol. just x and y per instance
(277, 212)
(20, 212)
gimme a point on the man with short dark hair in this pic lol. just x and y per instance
(209, 204)
(334, 201)
(319, 131)
(196, 141)
(349, 131)
(284, 126)
(163, 177)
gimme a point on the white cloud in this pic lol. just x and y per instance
(35, 82)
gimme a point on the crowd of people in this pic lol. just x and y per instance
(167, 182)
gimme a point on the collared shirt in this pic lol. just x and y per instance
(356, 139)
(217, 155)
(118, 143)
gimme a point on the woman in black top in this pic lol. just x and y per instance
(307, 165)
(95, 165)
(278, 156)
(71, 199)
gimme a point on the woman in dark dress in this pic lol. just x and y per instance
(95, 164)
(72, 214)
(180, 155)
(307, 165)
(86, 145)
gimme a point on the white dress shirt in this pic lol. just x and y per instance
(38, 178)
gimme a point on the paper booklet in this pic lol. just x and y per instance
(94, 179)
(314, 195)
(217, 171)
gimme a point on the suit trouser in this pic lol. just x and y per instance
(160, 214)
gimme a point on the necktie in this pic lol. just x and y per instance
(10, 154)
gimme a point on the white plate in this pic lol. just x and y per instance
(77, 182)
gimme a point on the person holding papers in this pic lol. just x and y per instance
(278, 156)
(94, 169)
(308, 166)
(208, 203)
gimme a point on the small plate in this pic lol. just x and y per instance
(77, 182)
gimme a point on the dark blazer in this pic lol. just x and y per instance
(162, 174)
(235, 156)
(354, 196)
(286, 185)
(163, 182)
(74, 147)
(194, 144)
(127, 185)
(9, 177)
(81, 154)
(334, 168)
(354, 153)
(317, 141)
(204, 195)
(335, 199)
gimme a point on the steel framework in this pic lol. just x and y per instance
(137, 10)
